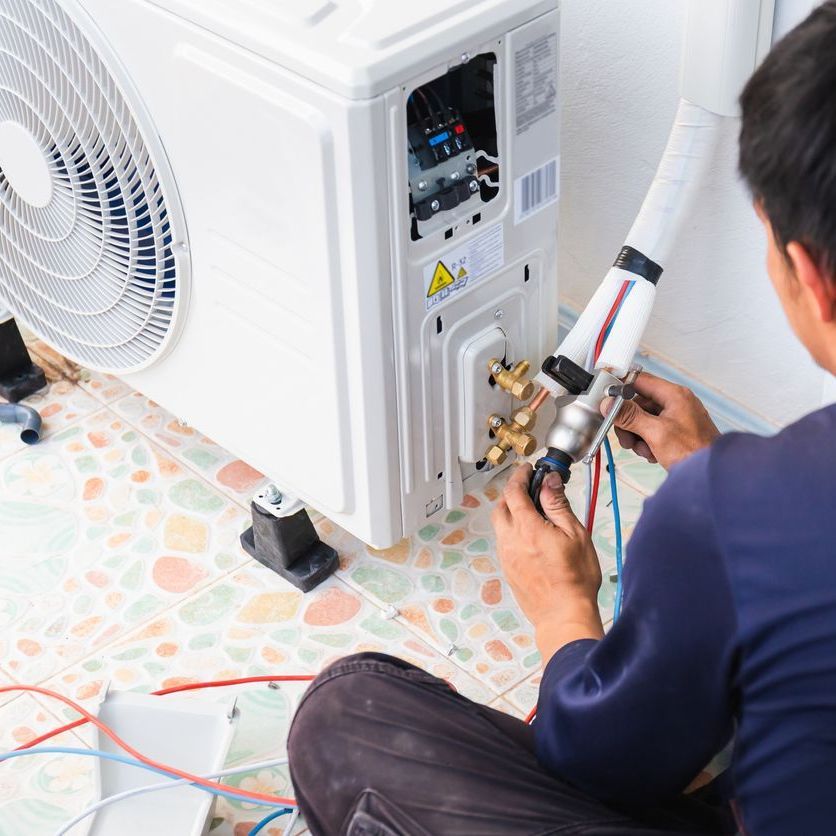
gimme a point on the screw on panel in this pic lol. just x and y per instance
(471, 168)
(435, 206)
(465, 57)
(499, 314)
(474, 186)
(455, 175)
(496, 422)
(496, 368)
(422, 186)
(273, 495)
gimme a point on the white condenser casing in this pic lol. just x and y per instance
(299, 312)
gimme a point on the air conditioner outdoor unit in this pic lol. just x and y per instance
(305, 227)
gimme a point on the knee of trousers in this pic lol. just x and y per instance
(352, 679)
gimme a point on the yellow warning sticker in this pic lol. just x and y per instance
(453, 272)
(442, 278)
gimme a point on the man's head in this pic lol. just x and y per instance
(788, 158)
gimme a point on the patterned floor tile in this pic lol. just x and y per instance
(446, 582)
(230, 475)
(101, 530)
(104, 387)
(644, 477)
(40, 792)
(60, 404)
(252, 623)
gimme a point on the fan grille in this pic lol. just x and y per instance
(100, 270)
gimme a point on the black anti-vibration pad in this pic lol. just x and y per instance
(19, 376)
(290, 547)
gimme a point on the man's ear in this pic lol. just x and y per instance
(815, 280)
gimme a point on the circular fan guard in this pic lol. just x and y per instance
(101, 270)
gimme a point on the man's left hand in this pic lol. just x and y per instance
(550, 564)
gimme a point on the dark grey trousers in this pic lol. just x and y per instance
(379, 747)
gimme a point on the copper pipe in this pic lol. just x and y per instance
(539, 399)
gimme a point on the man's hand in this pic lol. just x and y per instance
(551, 564)
(666, 424)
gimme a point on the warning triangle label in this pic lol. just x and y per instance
(462, 273)
(442, 278)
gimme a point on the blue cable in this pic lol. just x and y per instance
(108, 756)
(616, 512)
(267, 819)
(618, 310)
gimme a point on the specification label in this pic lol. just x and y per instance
(464, 265)
(535, 66)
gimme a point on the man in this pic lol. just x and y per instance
(729, 618)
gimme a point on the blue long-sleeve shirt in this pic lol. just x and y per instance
(729, 623)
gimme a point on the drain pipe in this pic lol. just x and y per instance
(725, 41)
(28, 418)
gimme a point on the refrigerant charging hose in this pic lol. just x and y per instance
(28, 418)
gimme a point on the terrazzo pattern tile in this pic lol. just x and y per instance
(252, 623)
(103, 387)
(60, 405)
(233, 477)
(40, 792)
(447, 584)
(101, 530)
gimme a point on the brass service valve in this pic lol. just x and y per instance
(513, 380)
(508, 437)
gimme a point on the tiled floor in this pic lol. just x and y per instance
(120, 567)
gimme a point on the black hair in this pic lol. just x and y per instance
(788, 138)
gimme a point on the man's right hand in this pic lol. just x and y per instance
(665, 424)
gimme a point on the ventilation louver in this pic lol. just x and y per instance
(92, 240)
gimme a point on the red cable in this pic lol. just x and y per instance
(195, 686)
(593, 501)
(530, 719)
(194, 779)
(599, 345)
(610, 317)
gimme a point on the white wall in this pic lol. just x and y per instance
(716, 316)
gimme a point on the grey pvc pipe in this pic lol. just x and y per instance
(28, 418)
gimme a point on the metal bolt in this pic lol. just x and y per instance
(496, 368)
(465, 57)
(496, 422)
(435, 206)
(455, 175)
(471, 168)
(422, 186)
(499, 314)
(273, 495)
(474, 186)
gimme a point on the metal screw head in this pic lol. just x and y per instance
(499, 314)
(496, 422)
(435, 206)
(496, 368)
(422, 185)
(273, 495)
(455, 175)
(471, 168)
(474, 186)
(465, 57)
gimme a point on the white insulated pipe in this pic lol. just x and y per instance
(659, 223)
(725, 40)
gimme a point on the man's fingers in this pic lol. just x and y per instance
(627, 440)
(555, 505)
(516, 493)
(657, 389)
(632, 418)
(642, 448)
